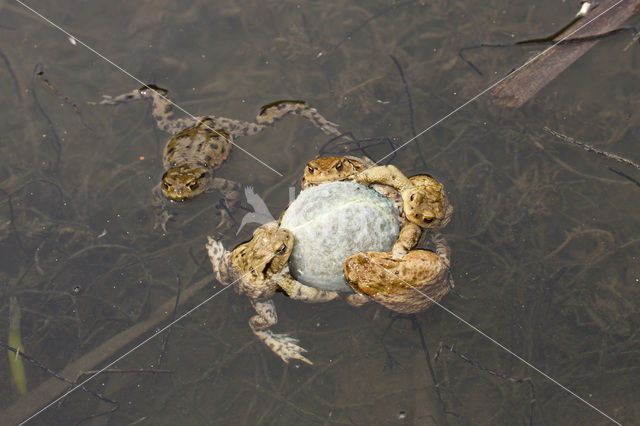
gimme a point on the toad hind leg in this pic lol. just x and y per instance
(275, 111)
(267, 117)
(162, 107)
(271, 113)
(286, 347)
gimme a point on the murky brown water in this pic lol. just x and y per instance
(545, 236)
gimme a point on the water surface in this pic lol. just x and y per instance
(544, 237)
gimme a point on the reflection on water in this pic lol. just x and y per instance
(544, 235)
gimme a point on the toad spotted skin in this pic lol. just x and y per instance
(200, 145)
(332, 169)
(403, 282)
(259, 268)
(424, 199)
(396, 279)
(329, 169)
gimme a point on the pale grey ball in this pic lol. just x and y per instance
(332, 221)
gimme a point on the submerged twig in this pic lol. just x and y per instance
(511, 379)
(624, 175)
(367, 21)
(593, 149)
(546, 41)
(56, 92)
(411, 120)
(126, 371)
(347, 144)
(50, 372)
(12, 74)
(167, 335)
(391, 362)
(434, 378)
(67, 100)
(53, 138)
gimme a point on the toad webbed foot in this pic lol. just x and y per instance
(283, 345)
(161, 212)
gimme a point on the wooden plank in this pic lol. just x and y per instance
(522, 85)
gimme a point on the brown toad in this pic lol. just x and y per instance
(407, 282)
(259, 268)
(200, 145)
(424, 200)
(401, 278)
(421, 201)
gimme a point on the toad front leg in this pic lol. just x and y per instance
(229, 203)
(298, 291)
(387, 175)
(160, 210)
(423, 198)
(410, 234)
(275, 111)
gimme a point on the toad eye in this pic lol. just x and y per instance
(193, 184)
(412, 197)
(165, 185)
(282, 250)
(339, 166)
(310, 169)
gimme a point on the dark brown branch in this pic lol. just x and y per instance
(593, 149)
(521, 86)
(50, 389)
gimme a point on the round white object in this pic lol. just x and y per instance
(332, 221)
